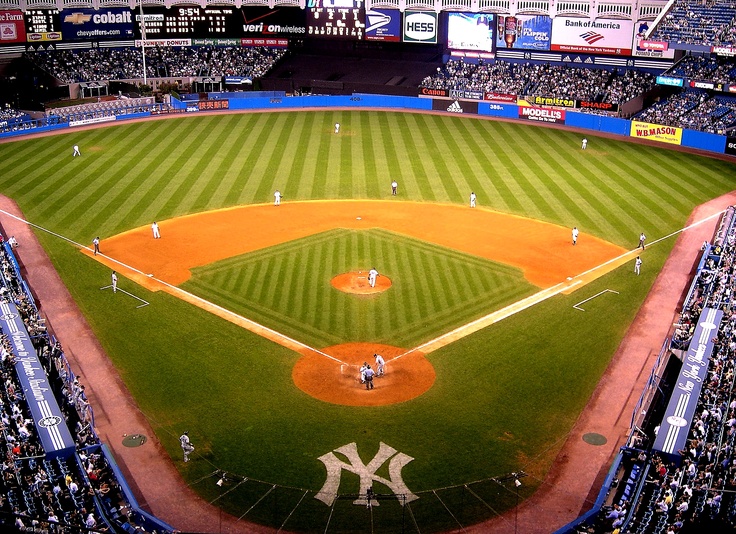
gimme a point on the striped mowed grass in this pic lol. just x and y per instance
(505, 397)
(287, 288)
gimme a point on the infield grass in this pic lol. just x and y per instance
(505, 397)
(287, 288)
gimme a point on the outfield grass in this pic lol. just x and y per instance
(505, 397)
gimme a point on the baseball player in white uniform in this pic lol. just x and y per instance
(574, 235)
(277, 198)
(362, 372)
(372, 276)
(337, 127)
(585, 143)
(155, 230)
(76, 151)
(186, 445)
(114, 282)
(380, 364)
(472, 199)
(637, 265)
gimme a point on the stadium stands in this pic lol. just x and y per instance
(72, 66)
(695, 110)
(666, 489)
(44, 492)
(709, 23)
(541, 80)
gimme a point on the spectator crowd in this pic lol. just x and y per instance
(541, 80)
(707, 22)
(96, 64)
(40, 493)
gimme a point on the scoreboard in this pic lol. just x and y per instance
(43, 25)
(336, 19)
(189, 22)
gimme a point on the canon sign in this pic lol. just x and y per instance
(420, 27)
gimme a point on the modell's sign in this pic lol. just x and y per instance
(724, 51)
(556, 116)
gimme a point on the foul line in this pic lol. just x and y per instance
(523, 304)
(145, 303)
(253, 326)
(577, 306)
(429, 346)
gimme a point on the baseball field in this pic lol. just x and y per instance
(251, 340)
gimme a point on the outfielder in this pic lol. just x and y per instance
(76, 151)
(186, 445)
(585, 143)
(277, 198)
(337, 127)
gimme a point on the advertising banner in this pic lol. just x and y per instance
(653, 49)
(454, 106)
(383, 25)
(669, 80)
(88, 24)
(724, 51)
(216, 41)
(470, 95)
(603, 106)
(656, 132)
(552, 101)
(205, 105)
(164, 42)
(500, 97)
(470, 31)
(280, 22)
(731, 146)
(12, 29)
(682, 408)
(612, 37)
(541, 114)
(272, 43)
(420, 27)
(433, 92)
(524, 32)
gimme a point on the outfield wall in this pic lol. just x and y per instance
(522, 112)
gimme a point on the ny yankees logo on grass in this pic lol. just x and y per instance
(367, 473)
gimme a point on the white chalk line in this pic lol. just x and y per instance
(577, 306)
(145, 302)
(461, 331)
(543, 295)
(285, 340)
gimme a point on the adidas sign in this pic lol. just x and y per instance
(455, 107)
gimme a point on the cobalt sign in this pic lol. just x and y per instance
(420, 27)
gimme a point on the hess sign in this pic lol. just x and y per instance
(420, 27)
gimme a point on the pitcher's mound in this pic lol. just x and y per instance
(357, 283)
(339, 383)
